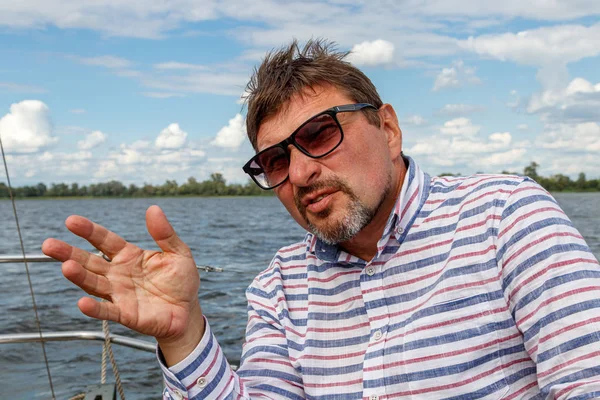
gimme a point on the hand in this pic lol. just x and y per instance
(152, 292)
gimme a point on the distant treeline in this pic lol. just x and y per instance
(215, 186)
(555, 183)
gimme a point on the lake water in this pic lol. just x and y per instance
(238, 234)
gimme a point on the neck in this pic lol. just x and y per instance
(364, 244)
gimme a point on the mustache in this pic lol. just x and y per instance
(330, 183)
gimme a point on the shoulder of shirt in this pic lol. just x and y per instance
(455, 186)
(289, 259)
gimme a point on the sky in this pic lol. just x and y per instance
(144, 91)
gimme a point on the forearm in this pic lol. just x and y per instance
(205, 373)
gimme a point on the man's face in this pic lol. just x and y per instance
(336, 196)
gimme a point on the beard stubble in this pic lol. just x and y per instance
(358, 215)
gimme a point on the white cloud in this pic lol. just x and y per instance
(456, 76)
(471, 153)
(141, 145)
(232, 135)
(459, 109)
(129, 155)
(502, 159)
(180, 65)
(27, 127)
(142, 162)
(416, 120)
(549, 48)
(108, 169)
(265, 23)
(460, 127)
(502, 138)
(560, 163)
(19, 88)
(162, 95)
(57, 164)
(112, 62)
(229, 167)
(78, 156)
(533, 9)
(137, 162)
(522, 127)
(172, 137)
(92, 140)
(578, 102)
(46, 156)
(542, 46)
(377, 52)
(155, 19)
(582, 137)
(225, 80)
(460, 146)
(174, 79)
(474, 147)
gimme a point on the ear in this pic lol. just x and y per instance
(391, 127)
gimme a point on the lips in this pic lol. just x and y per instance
(317, 196)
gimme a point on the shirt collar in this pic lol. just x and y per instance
(412, 196)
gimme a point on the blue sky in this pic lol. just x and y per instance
(146, 91)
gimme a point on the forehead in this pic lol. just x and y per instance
(296, 111)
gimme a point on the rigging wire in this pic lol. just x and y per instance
(37, 318)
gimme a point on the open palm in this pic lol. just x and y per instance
(151, 292)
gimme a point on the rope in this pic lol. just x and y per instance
(106, 350)
(103, 373)
(113, 363)
(37, 318)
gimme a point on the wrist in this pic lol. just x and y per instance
(177, 348)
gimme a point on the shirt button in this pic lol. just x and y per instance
(400, 230)
(374, 397)
(178, 395)
(370, 271)
(201, 382)
(377, 335)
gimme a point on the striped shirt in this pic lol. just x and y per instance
(481, 288)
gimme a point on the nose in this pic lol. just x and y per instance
(303, 169)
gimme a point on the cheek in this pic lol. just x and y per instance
(369, 171)
(285, 194)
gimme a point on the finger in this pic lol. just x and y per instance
(94, 284)
(101, 238)
(163, 233)
(62, 251)
(99, 310)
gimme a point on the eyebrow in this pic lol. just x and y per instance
(291, 132)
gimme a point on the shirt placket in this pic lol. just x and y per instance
(371, 282)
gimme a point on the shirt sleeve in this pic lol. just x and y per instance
(551, 282)
(266, 371)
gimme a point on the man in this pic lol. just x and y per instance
(406, 286)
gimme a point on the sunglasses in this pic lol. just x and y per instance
(317, 137)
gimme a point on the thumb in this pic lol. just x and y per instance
(163, 233)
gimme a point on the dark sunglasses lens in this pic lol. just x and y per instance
(319, 136)
(274, 164)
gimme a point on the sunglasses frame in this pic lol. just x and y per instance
(291, 140)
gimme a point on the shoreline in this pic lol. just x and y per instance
(131, 197)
